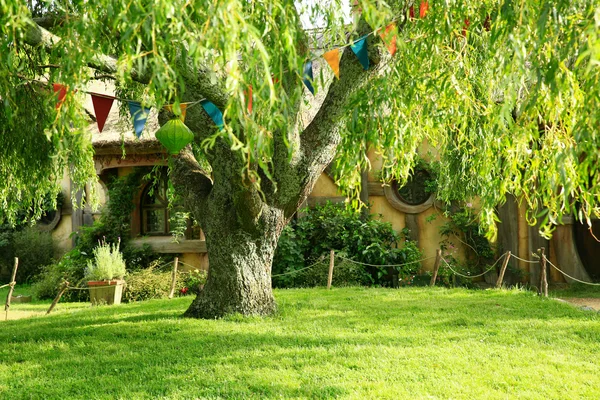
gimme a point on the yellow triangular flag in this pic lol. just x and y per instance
(182, 106)
(333, 59)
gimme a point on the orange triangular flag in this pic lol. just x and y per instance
(62, 93)
(182, 107)
(333, 59)
(389, 38)
(423, 7)
(248, 94)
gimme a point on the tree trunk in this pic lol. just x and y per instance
(239, 276)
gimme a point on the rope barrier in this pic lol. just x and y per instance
(8, 284)
(189, 265)
(386, 265)
(527, 261)
(569, 276)
(299, 270)
(473, 276)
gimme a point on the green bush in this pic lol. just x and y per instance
(70, 268)
(363, 239)
(33, 247)
(150, 283)
(193, 281)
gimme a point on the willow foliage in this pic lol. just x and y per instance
(506, 91)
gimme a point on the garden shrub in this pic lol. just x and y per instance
(108, 263)
(155, 283)
(33, 247)
(361, 238)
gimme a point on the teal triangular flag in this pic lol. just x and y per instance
(139, 115)
(307, 76)
(360, 49)
(213, 112)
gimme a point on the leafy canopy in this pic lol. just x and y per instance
(506, 91)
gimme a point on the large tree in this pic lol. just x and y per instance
(506, 91)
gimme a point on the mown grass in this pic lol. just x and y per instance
(345, 343)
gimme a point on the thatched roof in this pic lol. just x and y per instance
(118, 129)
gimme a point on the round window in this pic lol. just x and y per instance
(412, 197)
(414, 192)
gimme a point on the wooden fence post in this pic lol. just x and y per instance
(12, 288)
(543, 278)
(174, 278)
(62, 290)
(503, 270)
(331, 263)
(436, 266)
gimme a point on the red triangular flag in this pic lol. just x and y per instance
(465, 27)
(248, 94)
(389, 38)
(62, 93)
(423, 7)
(102, 105)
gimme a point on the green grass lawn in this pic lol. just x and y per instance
(415, 343)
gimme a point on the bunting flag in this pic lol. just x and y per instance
(360, 49)
(389, 38)
(307, 76)
(248, 95)
(102, 105)
(466, 27)
(139, 115)
(423, 7)
(487, 24)
(213, 112)
(182, 107)
(62, 93)
(333, 59)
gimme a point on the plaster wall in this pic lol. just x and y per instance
(62, 236)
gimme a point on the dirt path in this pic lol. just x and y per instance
(584, 302)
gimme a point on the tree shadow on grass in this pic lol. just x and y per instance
(314, 348)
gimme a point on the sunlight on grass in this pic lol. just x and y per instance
(344, 343)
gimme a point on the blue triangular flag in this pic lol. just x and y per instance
(213, 112)
(139, 116)
(307, 76)
(360, 49)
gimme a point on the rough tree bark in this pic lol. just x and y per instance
(241, 226)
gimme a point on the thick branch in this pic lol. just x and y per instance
(35, 35)
(191, 182)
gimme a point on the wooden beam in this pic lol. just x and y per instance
(165, 244)
(313, 201)
(375, 188)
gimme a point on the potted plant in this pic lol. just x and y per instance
(105, 274)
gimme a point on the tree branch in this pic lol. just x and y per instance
(35, 35)
(191, 182)
(319, 140)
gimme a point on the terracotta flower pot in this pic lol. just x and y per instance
(106, 292)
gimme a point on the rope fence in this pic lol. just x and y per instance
(569, 276)
(473, 276)
(543, 290)
(384, 265)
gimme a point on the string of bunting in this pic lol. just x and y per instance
(175, 135)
